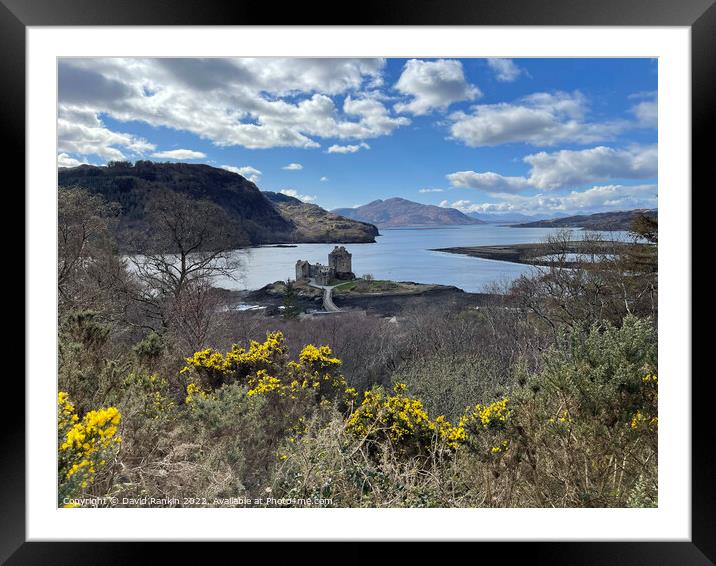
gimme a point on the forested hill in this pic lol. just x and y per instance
(620, 220)
(134, 186)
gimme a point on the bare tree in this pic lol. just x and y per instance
(195, 317)
(89, 271)
(646, 227)
(189, 244)
(589, 280)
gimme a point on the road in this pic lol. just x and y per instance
(328, 303)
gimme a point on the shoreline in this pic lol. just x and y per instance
(537, 254)
(388, 304)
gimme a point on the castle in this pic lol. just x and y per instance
(339, 267)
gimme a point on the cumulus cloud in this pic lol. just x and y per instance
(293, 167)
(324, 179)
(647, 110)
(596, 199)
(347, 148)
(82, 132)
(433, 85)
(505, 70)
(180, 154)
(250, 173)
(567, 168)
(254, 103)
(430, 190)
(488, 181)
(278, 76)
(295, 194)
(540, 119)
(375, 120)
(64, 160)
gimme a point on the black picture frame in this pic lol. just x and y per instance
(699, 15)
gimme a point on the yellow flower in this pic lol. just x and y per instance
(83, 441)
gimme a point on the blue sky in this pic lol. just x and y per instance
(535, 136)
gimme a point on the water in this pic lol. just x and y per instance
(402, 255)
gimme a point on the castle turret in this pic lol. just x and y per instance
(303, 270)
(341, 262)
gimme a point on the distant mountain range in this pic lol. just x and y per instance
(265, 218)
(503, 217)
(397, 212)
(620, 220)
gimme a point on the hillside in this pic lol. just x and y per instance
(396, 212)
(620, 220)
(262, 220)
(318, 225)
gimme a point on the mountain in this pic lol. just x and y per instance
(263, 220)
(500, 217)
(318, 225)
(620, 220)
(395, 212)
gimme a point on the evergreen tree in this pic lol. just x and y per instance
(291, 309)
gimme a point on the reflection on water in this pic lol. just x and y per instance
(402, 255)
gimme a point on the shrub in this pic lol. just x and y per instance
(84, 445)
(581, 432)
(266, 369)
(401, 421)
(447, 384)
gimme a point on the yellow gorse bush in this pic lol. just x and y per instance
(266, 369)
(264, 383)
(641, 421)
(193, 391)
(650, 378)
(492, 416)
(84, 444)
(402, 420)
(152, 390)
(645, 419)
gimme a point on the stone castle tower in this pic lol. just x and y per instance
(339, 267)
(340, 261)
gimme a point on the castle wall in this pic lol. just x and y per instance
(341, 261)
(339, 266)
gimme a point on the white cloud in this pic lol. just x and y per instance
(433, 85)
(295, 194)
(564, 168)
(64, 160)
(596, 199)
(538, 119)
(250, 173)
(567, 168)
(647, 111)
(82, 132)
(347, 148)
(324, 179)
(430, 190)
(179, 154)
(488, 181)
(505, 70)
(293, 167)
(375, 120)
(255, 103)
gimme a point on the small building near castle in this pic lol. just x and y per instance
(339, 267)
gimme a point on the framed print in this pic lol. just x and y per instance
(388, 279)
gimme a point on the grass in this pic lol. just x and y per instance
(364, 286)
